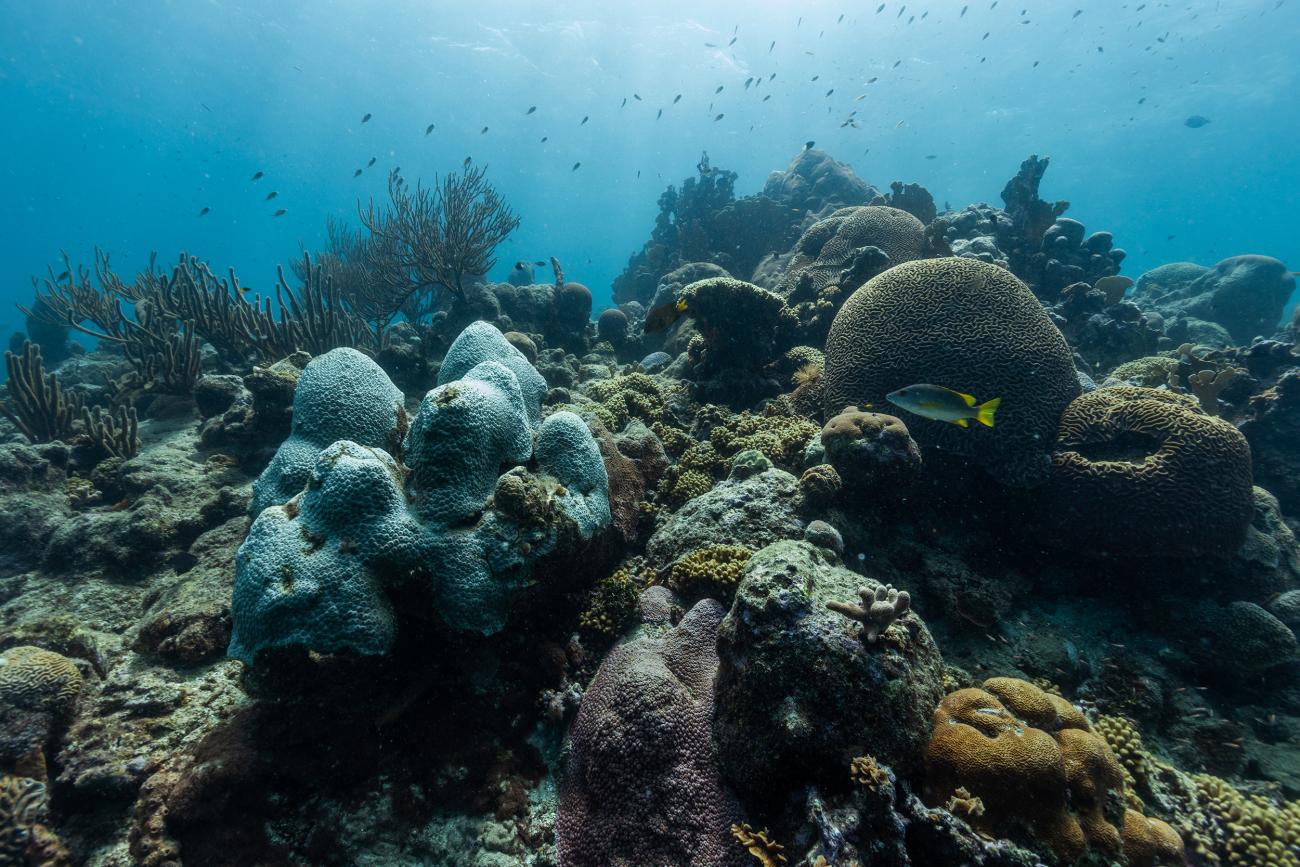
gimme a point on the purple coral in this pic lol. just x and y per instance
(641, 785)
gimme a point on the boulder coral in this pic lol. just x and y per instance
(799, 693)
(1034, 762)
(872, 452)
(1244, 294)
(968, 326)
(830, 247)
(317, 571)
(743, 326)
(342, 394)
(640, 785)
(1144, 472)
(38, 691)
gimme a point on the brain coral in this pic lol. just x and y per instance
(38, 689)
(316, 572)
(965, 325)
(1144, 472)
(831, 245)
(742, 325)
(640, 785)
(1032, 759)
(340, 395)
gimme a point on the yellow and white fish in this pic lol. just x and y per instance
(943, 404)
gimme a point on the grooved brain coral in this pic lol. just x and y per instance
(1145, 472)
(1033, 760)
(965, 325)
(316, 571)
(36, 679)
(830, 245)
(340, 395)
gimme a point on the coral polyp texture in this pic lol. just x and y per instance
(317, 572)
(1184, 477)
(342, 394)
(827, 252)
(967, 326)
(1033, 760)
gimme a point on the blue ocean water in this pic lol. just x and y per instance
(123, 120)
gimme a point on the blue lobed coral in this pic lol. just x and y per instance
(340, 395)
(315, 571)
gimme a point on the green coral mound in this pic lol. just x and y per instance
(798, 694)
(1142, 472)
(712, 571)
(968, 326)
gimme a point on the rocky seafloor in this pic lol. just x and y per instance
(523, 587)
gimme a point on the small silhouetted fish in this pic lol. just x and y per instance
(545, 139)
(531, 109)
(243, 290)
(623, 103)
(677, 99)
(1100, 50)
(1142, 100)
(205, 106)
(1170, 237)
(931, 156)
(748, 82)
(841, 18)
(995, 4)
(271, 195)
(896, 62)
(357, 173)
(719, 89)
(468, 160)
(897, 125)
(539, 262)
(588, 117)
(1196, 121)
(1035, 63)
(280, 213)
(660, 114)
(710, 45)
(719, 117)
(772, 76)
(257, 176)
(963, 12)
(1077, 13)
(483, 130)
(638, 173)
(808, 145)
(575, 167)
(815, 77)
(770, 47)
(637, 97)
(371, 163)
(985, 36)
(873, 79)
(766, 98)
(366, 118)
(733, 40)
(829, 92)
(880, 8)
(66, 274)
(202, 213)
(428, 129)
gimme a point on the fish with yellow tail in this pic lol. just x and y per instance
(943, 404)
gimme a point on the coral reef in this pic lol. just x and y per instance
(1242, 294)
(836, 698)
(454, 518)
(872, 452)
(1184, 476)
(967, 326)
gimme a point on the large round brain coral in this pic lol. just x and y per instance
(968, 326)
(1034, 761)
(1143, 472)
(829, 247)
(38, 690)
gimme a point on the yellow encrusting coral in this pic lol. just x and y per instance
(760, 844)
(711, 571)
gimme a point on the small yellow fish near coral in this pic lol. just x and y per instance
(944, 404)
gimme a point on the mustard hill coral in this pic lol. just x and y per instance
(711, 571)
